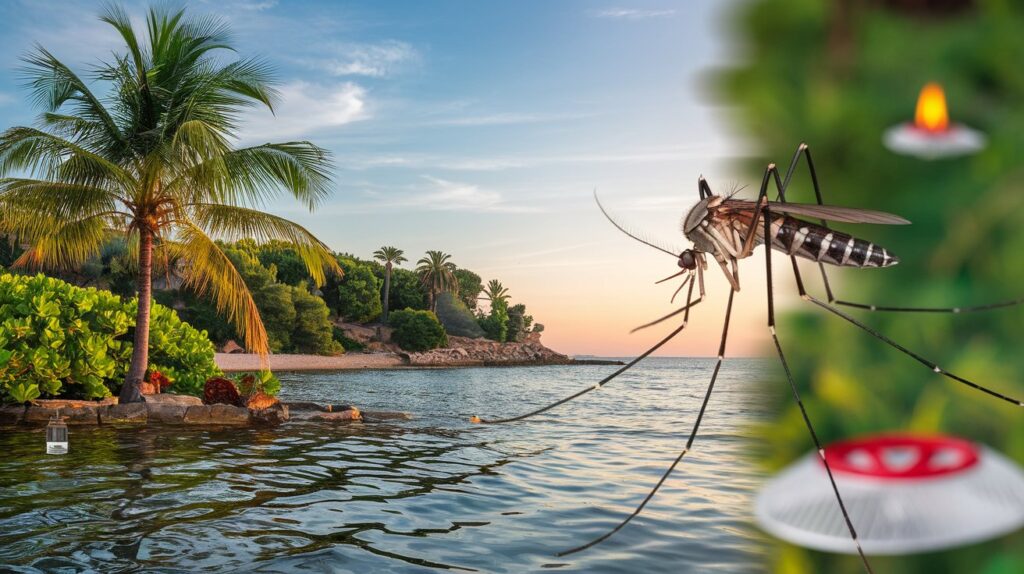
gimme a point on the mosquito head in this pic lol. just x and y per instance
(688, 260)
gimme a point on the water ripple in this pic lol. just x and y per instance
(428, 494)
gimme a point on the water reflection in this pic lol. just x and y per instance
(432, 493)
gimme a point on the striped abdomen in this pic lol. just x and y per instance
(811, 241)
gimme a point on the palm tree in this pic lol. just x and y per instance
(390, 256)
(437, 274)
(152, 159)
(495, 292)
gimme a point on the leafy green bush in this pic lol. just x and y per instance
(456, 318)
(470, 286)
(406, 290)
(313, 332)
(356, 296)
(417, 330)
(495, 324)
(60, 340)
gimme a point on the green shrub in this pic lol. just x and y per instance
(456, 318)
(495, 324)
(313, 330)
(60, 340)
(417, 330)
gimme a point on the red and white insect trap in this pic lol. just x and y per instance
(904, 493)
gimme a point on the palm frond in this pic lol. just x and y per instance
(233, 223)
(206, 269)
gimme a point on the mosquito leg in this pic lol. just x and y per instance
(906, 351)
(609, 378)
(684, 308)
(762, 196)
(689, 442)
(805, 151)
(796, 393)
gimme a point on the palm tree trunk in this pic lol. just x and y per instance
(131, 391)
(387, 289)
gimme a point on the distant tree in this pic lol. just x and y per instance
(495, 323)
(470, 286)
(355, 295)
(519, 322)
(273, 300)
(407, 292)
(291, 269)
(390, 256)
(495, 291)
(313, 331)
(437, 274)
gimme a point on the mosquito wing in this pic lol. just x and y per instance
(827, 212)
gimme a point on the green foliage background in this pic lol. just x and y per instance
(837, 80)
(60, 340)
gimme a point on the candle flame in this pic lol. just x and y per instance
(931, 113)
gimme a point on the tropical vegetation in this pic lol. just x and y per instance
(59, 339)
(152, 159)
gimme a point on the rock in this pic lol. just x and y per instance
(216, 415)
(376, 416)
(173, 399)
(273, 415)
(231, 347)
(306, 406)
(126, 413)
(11, 415)
(37, 414)
(81, 416)
(349, 415)
(165, 412)
(71, 403)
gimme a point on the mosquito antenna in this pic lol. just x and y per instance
(629, 233)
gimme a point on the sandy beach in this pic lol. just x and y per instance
(250, 362)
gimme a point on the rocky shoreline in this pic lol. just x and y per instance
(380, 354)
(181, 410)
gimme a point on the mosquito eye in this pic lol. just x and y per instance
(686, 260)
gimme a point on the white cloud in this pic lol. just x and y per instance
(305, 108)
(257, 6)
(631, 14)
(373, 60)
(448, 195)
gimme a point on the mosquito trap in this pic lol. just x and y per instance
(904, 493)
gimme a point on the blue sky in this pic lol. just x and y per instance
(481, 129)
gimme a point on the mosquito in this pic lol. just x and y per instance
(727, 230)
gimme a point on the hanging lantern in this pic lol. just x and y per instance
(56, 435)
